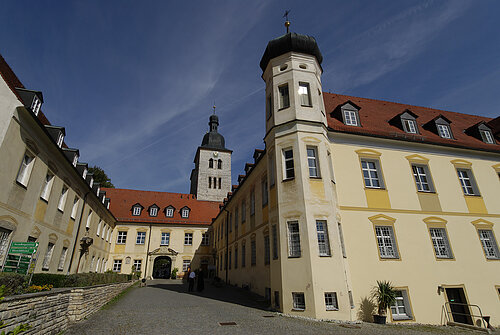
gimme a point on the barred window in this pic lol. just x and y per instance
(323, 242)
(299, 301)
(293, 239)
(386, 242)
(440, 243)
(331, 301)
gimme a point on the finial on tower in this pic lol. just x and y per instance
(287, 23)
(214, 107)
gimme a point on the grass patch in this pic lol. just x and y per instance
(110, 303)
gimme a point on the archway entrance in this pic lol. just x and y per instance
(162, 267)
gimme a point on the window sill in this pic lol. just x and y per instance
(60, 210)
(288, 179)
(315, 178)
(120, 243)
(264, 205)
(332, 309)
(298, 309)
(401, 318)
(427, 192)
(375, 188)
(293, 256)
(473, 195)
(45, 269)
(72, 218)
(325, 255)
(283, 108)
(310, 106)
(44, 200)
(389, 258)
(21, 185)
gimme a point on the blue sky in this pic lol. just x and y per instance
(133, 82)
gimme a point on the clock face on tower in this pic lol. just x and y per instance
(216, 154)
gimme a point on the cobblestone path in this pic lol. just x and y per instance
(165, 307)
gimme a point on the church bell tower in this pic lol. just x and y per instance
(211, 177)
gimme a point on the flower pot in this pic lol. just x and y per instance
(380, 319)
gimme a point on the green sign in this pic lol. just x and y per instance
(16, 263)
(26, 248)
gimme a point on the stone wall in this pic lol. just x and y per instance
(51, 312)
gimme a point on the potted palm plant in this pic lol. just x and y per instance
(384, 295)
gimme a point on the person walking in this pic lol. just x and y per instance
(192, 276)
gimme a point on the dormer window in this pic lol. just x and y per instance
(75, 160)
(91, 182)
(185, 212)
(35, 105)
(348, 113)
(444, 131)
(169, 212)
(60, 139)
(487, 136)
(84, 175)
(153, 210)
(410, 126)
(350, 118)
(97, 191)
(136, 210)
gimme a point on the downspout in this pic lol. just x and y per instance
(77, 235)
(147, 254)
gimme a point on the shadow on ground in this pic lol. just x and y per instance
(221, 292)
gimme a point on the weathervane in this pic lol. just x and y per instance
(287, 23)
(214, 107)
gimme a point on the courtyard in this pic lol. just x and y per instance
(165, 307)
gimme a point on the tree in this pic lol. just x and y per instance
(101, 177)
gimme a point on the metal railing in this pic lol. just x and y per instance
(483, 320)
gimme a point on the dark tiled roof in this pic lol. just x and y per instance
(122, 200)
(375, 116)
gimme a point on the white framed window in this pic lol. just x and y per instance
(467, 182)
(487, 137)
(117, 265)
(304, 94)
(489, 243)
(288, 165)
(400, 310)
(186, 263)
(25, 169)
(92, 263)
(312, 162)
(386, 242)
(75, 161)
(293, 239)
(267, 250)
(48, 256)
(253, 252)
(89, 220)
(98, 263)
(275, 241)
(99, 225)
(60, 139)
(165, 239)
(422, 178)
(103, 232)
(141, 237)
(62, 259)
(188, 239)
(47, 186)
(252, 202)
(299, 301)
(440, 243)
(35, 105)
(136, 210)
(138, 264)
(284, 96)
(323, 242)
(75, 207)
(410, 126)
(122, 237)
(331, 301)
(153, 211)
(169, 212)
(205, 239)
(350, 118)
(108, 234)
(185, 213)
(444, 131)
(62, 198)
(371, 173)
(265, 195)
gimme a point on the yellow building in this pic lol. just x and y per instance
(349, 191)
(46, 195)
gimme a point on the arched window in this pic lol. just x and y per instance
(211, 163)
(219, 164)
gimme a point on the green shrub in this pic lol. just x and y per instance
(79, 279)
(14, 283)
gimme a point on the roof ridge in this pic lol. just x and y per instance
(406, 104)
